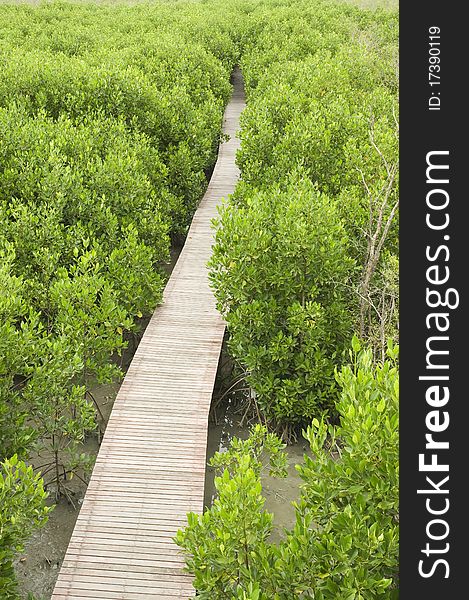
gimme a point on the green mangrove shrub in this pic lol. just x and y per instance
(110, 119)
(280, 271)
(344, 543)
(22, 510)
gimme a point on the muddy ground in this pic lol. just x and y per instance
(37, 568)
(278, 492)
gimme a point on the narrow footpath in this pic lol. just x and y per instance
(150, 468)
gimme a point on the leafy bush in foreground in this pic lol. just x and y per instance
(345, 540)
(22, 501)
(228, 543)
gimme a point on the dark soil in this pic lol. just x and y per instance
(38, 567)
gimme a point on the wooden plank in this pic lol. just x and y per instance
(150, 469)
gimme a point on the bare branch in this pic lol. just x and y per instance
(375, 146)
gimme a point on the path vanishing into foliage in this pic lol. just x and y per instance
(150, 468)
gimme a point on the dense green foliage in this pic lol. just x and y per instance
(306, 247)
(345, 540)
(226, 542)
(110, 117)
(279, 263)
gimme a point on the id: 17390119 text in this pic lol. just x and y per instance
(434, 68)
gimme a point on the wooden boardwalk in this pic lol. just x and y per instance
(151, 465)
